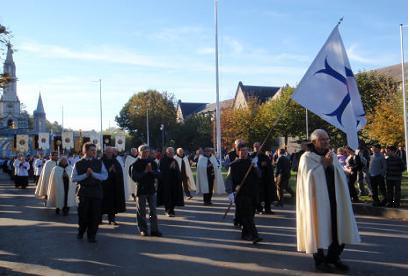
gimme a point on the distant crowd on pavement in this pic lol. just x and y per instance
(257, 179)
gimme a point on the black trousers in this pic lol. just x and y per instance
(393, 191)
(335, 249)
(245, 212)
(352, 188)
(377, 183)
(89, 215)
(266, 192)
(21, 181)
(208, 196)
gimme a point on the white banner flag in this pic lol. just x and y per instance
(95, 138)
(22, 143)
(329, 89)
(44, 141)
(120, 142)
(68, 140)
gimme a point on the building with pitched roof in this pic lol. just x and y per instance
(260, 94)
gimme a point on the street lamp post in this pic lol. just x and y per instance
(147, 129)
(162, 128)
(101, 131)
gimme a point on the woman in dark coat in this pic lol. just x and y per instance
(170, 193)
(113, 188)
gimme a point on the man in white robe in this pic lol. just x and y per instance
(209, 178)
(42, 185)
(186, 173)
(132, 186)
(61, 189)
(38, 166)
(324, 214)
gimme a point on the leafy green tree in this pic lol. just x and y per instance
(161, 110)
(195, 132)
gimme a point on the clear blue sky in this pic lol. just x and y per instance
(168, 45)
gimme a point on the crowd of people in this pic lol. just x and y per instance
(256, 180)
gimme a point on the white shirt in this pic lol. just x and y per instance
(38, 166)
(21, 168)
(72, 160)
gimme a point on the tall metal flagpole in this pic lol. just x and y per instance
(404, 92)
(307, 125)
(62, 126)
(101, 132)
(218, 111)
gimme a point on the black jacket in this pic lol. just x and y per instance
(145, 180)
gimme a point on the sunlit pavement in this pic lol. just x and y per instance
(36, 241)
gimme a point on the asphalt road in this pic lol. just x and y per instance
(36, 241)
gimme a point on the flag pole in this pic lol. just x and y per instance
(218, 111)
(404, 92)
(307, 125)
(101, 130)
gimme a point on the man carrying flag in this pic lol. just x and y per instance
(324, 214)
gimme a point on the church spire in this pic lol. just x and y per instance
(40, 107)
(9, 57)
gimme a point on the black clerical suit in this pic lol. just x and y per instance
(113, 190)
(170, 193)
(90, 195)
(246, 198)
(266, 185)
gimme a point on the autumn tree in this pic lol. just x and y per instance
(375, 87)
(241, 123)
(161, 110)
(385, 124)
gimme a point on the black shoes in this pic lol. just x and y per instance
(339, 265)
(332, 267)
(92, 240)
(57, 211)
(153, 234)
(156, 234)
(251, 238)
(324, 267)
(256, 240)
(80, 235)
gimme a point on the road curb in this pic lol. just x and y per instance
(392, 213)
(369, 210)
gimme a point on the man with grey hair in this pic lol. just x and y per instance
(145, 173)
(170, 192)
(324, 214)
(188, 182)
